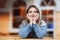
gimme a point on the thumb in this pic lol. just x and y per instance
(31, 21)
(34, 22)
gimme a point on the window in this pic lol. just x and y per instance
(47, 12)
(47, 16)
(47, 3)
(19, 9)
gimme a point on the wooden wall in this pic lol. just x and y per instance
(4, 22)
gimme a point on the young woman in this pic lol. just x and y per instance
(33, 27)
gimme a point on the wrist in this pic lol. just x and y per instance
(30, 23)
(34, 22)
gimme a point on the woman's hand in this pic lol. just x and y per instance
(32, 17)
(35, 18)
(29, 18)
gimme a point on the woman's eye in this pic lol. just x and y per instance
(35, 11)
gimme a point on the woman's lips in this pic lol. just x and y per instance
(32, 16)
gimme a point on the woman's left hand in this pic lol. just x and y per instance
(35, 18)
(32, 17)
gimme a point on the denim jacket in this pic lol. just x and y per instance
(25, 29)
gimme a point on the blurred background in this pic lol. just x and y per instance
(13, 12)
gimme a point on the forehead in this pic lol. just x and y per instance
(33, 8)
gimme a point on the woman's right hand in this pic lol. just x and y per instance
(29, 18)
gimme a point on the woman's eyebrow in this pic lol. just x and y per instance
(35, 11)
(29, 11)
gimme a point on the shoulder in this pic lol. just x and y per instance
(24, 22)
(43, 23)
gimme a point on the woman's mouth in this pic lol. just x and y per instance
(33, 16)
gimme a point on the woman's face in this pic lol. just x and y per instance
(32, 13)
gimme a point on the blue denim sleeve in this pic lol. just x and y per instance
(40, 31)
(24, 30)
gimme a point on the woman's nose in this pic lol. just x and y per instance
(33, 15)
